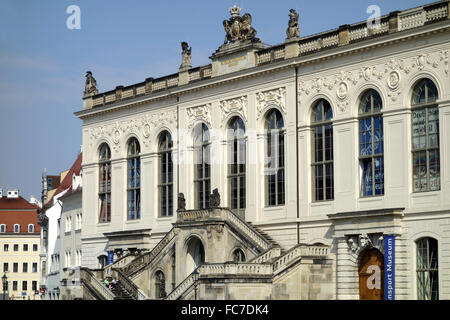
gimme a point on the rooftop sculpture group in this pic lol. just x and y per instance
(239, 28)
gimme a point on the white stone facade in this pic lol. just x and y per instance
(390, 64)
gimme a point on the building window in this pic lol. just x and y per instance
(68, 259)
(24, 285)
(58, 230)
(15, 267)
(202, 169)
(25, 247)
(2, 228)
(238, 255)
(25, 267)
(30, 228)
(237, 164)
(427, 269)
(34, 267)
(165, 174)
(371, 160)
(102, 261)
(16, 247)
(78, 221)
(6, 247)
(425, 137)
(104, 193)
(68, 226)
(274, 171)
(5, 267)
(17, 228)
(34, 285)
(134, 180)
(160, 285)
(14, 285)
(322, 154)
(35, 247)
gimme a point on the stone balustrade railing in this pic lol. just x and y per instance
(301, 250)
(119, 263)
(267, 255)
(134, 291)
(233, 268)
(89, 279)
(141, 261)
(181, 288)
(228, 216)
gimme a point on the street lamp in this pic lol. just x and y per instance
(5, 285)
(195, 273)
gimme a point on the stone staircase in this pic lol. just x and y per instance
(121, 293)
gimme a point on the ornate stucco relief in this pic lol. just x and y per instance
(238, 105)
(200, 113)
(272, 97)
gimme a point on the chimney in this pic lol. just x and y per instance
(13, 193)
(1, 192)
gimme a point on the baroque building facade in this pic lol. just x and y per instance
(313, 169)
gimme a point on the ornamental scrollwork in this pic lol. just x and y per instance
(273, 97)
(200, 113)
(238, 105)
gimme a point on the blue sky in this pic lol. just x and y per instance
(43, 63)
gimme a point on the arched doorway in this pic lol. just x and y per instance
(195, 254)
(371, 275)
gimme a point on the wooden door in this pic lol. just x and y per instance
(371, 275)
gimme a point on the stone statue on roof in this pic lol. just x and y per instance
(293, 30)
(239, 28)
(185, 56)
(91, 85)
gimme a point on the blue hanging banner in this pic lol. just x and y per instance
(389, 267)
(110, 257)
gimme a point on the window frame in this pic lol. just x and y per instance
(428, 268)
(16, 225)
(134, 185)
(2, 228)
(202, 181)
(32, 228)
(426, 106)
(280, 133)
(237, 150)
(105, 183)
(167, 186)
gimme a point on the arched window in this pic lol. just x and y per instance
(236, 163)
(104, 192)
(427, 269)
(275, 194)
(425, 137)
(322, 155)
(371, 159)
(160, 285)
(238, 255)
(165, 174)
(195, 254)
(202, 169)
(134, 180)
(102, 261)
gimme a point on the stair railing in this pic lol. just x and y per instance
(129, 286)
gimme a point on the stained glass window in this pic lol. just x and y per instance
(134, 180)
(104, 193)
(371, 150)
(425, 137)
(322, 156)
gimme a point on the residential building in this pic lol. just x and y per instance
(19, 245)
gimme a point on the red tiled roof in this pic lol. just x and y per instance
(67, 181)
(18, 211)
(16, 203)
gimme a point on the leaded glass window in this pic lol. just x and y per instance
(322, 155)
(427, 269)
(160, 284)
(275, 178)
(202, 168)
(104, 193)
(236, 166)
(134, 180)
(165, 174)
(425, 137)
(371, 149)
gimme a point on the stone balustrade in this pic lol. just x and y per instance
(267, 255)
(181, 288)
(134, 291)
(89, 279)
(119, 263)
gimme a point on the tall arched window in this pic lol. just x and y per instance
(322, 156)
(238, 255)
(371, 159)
(236, 163)
(165, 174)
(134, 180)
(202, 170)
(274, 172)
(160, 284)
(427, 269)
(104, 192)
(425, 137)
